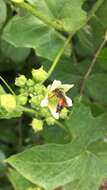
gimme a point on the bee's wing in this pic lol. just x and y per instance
(68, 101)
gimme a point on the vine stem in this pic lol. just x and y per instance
(60, 53)
(32, 9)
(54, 23)
(10, 89)
(92, 65)
(94, 9)
(60, 125)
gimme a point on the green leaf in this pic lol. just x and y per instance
(34, 34)
(90, 37)
(15, 54)
(102, 14)
(54, 134)
(65, 71)
(18, 181)
(85, 45)
(68, 13)
(3, 12)
(55, 165)
(7, 131)
(99, 24)
(96, 86)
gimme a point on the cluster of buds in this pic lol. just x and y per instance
(48, 103)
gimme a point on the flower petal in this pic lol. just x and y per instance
(67, 87)
(44, 102)
(53, 112)
(69, 101)
(55, 84)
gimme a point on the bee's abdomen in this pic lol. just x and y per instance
(60, 105)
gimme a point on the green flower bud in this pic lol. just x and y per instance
(30, 188)
(36, 100)
(30, 83)
(40, 89)
(22, 90)
(22, 99)
(31, 90)
(50, 120)
(39, 74)
(64, 113)
(18, 1)
(35, 188)
(8, 102)
(44, 112)
(37, 125)
(20, 81)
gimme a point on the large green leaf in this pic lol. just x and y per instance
(15, 54)
(3, 12)
(55, 165)
(67, 12)
(99, 24)
(90, 37)
(18, 181)
(102, 14)
(96, 86)
(34, 34)
(84, 45)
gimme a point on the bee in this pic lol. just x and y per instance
(103, 185)
(61, 99)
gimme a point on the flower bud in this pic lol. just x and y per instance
(17, 1)
(35, 188)
(50, 120)
(36, 100)
(22, 99)
(64, 113)
(40, 89)
(8, 102)
(44, 112)
(20, 81)
(39, 74)
(37, 124)
(30, 83)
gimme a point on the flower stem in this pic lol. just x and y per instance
(94, 9)
(10, 89)
(60, 53)
(92, 65)
(34, 11)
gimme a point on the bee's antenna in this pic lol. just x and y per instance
(7, 85)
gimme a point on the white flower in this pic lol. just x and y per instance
(51, 100)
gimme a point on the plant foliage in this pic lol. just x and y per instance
(50, 141)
